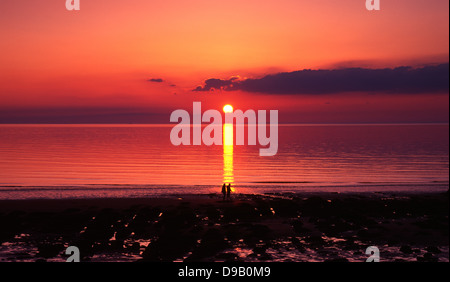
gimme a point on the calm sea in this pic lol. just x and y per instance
(58, 161)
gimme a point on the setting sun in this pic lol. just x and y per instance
(227, 109)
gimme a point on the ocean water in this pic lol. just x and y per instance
(60, 161)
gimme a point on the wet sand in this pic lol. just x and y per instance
(194, 228)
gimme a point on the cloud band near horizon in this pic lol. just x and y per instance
(427, 79)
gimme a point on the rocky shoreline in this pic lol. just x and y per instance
(307, 227)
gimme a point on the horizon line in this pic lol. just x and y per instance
(286, 123)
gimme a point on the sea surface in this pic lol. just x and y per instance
(83, 161)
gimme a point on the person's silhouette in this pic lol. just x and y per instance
(229, 191)
(224, 191)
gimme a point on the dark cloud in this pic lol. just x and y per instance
(155, 80)
(216, 84)
(397, 80)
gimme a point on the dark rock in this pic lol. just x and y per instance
(122, 232)
(433, 249)
(295, 241)
(227, 256)
(233, 232)
(406, 249)
(142, 223)
(340, 226)
(313, 219)
(116, 245)
(213, 213)
(393, 242)
(135, 247)
(285, 208)
(315, 239)
(86, 248)
(264, 208)
(259, 250)
(175, 221)
(252, 234)
(49, 250)
(169, 247)
(71, 210)
(298, 227)
(212, 242)
(315, 203)
(368, 235)
(243, 212)
(428, 257)
(298, 245)
(260, 230)
(265, 256)
(349, 244)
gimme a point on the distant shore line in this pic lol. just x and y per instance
(171, 124)
(17, 193)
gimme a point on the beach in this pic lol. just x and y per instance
(270, 227)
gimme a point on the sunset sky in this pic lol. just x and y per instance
(118, 61)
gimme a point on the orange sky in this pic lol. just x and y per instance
(101, 56)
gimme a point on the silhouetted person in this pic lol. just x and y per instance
(229, 191)
(224, 191)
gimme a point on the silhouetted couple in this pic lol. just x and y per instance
(226, 191)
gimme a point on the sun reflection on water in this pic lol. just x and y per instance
(228, 137)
